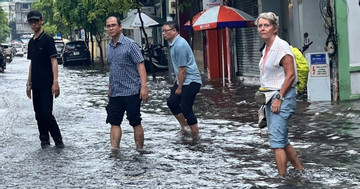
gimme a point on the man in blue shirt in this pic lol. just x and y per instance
(127, 86)
(187, 82)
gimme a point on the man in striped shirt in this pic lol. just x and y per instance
(127, 86)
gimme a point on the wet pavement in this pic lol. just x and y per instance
(230, 154)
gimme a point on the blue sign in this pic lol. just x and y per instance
(318, 58)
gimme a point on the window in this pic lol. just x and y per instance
(25, 6)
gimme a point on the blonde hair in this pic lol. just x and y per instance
(270, 16)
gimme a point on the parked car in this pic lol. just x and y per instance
(59, 44)
(76, 52)
(18, 45)
(8, 54)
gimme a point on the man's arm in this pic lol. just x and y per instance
(144, 93)
(55, 87)
(181, 79)
(28, 84)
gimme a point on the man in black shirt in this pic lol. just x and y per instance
(43, 80)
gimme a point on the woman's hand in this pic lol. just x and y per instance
(276, 105)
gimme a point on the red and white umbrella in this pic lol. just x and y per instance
(221, 17)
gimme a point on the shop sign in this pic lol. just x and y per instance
(212, 3)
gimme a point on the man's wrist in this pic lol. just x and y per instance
(28, 84)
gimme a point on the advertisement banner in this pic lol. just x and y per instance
(212, 3)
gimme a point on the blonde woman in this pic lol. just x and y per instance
(278, 77)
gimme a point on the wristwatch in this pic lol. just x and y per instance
(278, 96)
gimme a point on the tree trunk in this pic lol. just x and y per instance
(98, 40)
(92, 47)
(146, 42)
(147, 45)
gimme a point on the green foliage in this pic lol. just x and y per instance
(50, 29)
(90, 14)
(4, 26)
(53, 22)
(189, 7)
(65, 16)
(99, 10)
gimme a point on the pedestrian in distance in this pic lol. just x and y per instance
(187, 82)
(127, 84)
(42, 84)
(278, 78)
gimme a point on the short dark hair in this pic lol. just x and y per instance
(172, 25)
(118, 20)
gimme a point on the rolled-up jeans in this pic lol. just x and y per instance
(278, 123)
(184, 102)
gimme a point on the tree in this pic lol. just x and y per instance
(53, 22)
(190, 8)
(4, 26)
(97, 13)
(91, 15)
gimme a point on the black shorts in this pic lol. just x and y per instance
(117, 107)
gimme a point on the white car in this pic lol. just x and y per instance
(19, 48)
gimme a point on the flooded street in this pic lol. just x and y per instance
(230, 154)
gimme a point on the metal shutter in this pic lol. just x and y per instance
(248, 42)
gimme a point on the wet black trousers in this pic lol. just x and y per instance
(43, 106)
(184, 102)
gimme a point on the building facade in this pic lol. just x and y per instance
(22, 8)
(347, 27)
(8, 7)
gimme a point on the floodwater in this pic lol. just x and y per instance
(230, 154)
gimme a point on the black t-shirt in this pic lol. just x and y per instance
(40, 51)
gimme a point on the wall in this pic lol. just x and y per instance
(313, 24)
(347, 14)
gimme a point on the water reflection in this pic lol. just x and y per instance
(230, 154)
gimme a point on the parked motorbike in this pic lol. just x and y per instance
(158, 58)
(8, 58)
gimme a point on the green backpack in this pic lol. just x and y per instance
(302, 69)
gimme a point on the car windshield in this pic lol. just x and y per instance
(75, 45)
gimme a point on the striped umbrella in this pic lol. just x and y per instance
(221, 17)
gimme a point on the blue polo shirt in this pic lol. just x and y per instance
(182, 56)
(122, 59)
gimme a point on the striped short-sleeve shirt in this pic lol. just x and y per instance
(122, 59)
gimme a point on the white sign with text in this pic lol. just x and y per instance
(212, 3)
